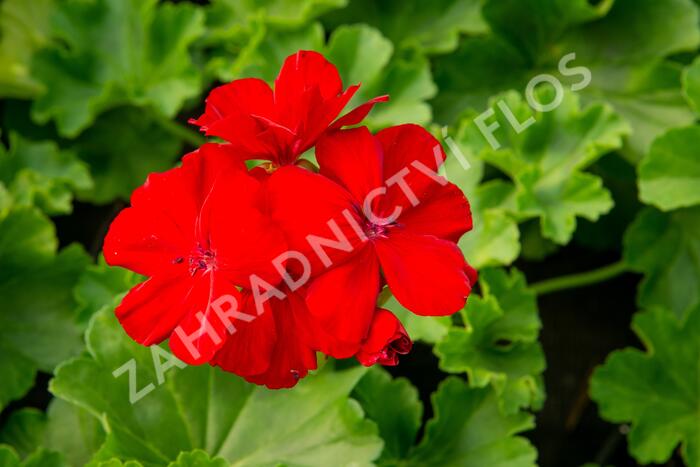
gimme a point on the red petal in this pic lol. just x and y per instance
(292, 357)
(351, 158)
(387, 340)
(302, 203)
(240, 97)
(359, 113)
(206, 333)
(403, 146)
(425, 274)
(248, 351)
(147, 242)
(343, 301)
(162, 227)
(444, 213)
(244, 240)
(302, 71)
(152, 309)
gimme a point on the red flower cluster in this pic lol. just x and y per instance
(257, 270)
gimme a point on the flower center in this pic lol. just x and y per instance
(201, 259)
(377, 230)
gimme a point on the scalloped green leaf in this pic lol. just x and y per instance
(432, 27)
(38, 173)
(494, 239)
(363, 55)
(469, 430)
(121, 149)
(99, 285)
(37, 325)
(394, 405)
(669, 175)
(24, 28)
(231, 18)
(315, 424)
(624, 50)
(24, 430)
(657, 391)
(40, 458)
(109, 53)
(665, 247)
(498, 343)
(545, 153)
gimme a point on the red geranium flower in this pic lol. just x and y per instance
(280, 125)
(406, 221)
(386, 340)
(198, 233)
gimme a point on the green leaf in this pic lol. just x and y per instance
(494, 238)
(657, 391)
(64, 429)
(118, 463)
(665, 247)
(432, 27)
(99, 285)
(498, 343)
(314, 424)
(197, 458)
(112, 52)
(121, 149)
(227, 18)
(393, 404)
(24, 28)
(624, 51)
(40, 458)
(39, 174)
(546, 159)
(420, 328)
(72, 431)
(468, 429)
(532, 25)
(691, 84)
(669, 176)
(37, 326)
(363, 55)
(262, 55)
(24, 431)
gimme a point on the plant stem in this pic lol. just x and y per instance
(178, 130)
(580, 279)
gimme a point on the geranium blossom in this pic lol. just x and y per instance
(198, 234)
(255, 271)
(279, 125)
(396, 215)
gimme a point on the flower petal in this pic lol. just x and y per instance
(387, 340)
(147, 242)
(248, 351)
(202, 331)
(244, 240)
(343, 300)
(353, 159)
(240, 97)
(444, 213)
(152, 309)
(303, 203)
(292, 357)
(425, 274)
(303, 71)
(359, 113)
(405, 146)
